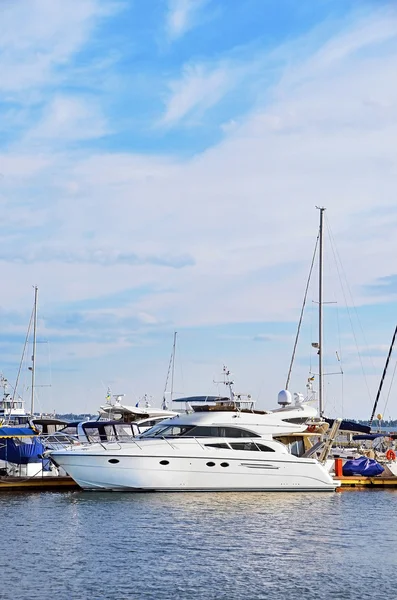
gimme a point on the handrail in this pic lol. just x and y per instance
(199, 443)
(169, 443)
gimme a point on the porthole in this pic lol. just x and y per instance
(164, 462)
(210, 464)
(113, 461)
(224, 464)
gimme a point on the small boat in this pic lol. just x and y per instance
(21, 454)
(12, 406)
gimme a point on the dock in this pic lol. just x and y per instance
(360, 481)
(67, 483)
(37, 483)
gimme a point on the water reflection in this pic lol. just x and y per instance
(202, 546)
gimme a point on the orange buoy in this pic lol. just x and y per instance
(390, 454)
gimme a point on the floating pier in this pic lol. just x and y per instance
(37, 483)
(360, 481)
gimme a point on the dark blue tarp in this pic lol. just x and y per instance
(350, 426)
(362, 466)
(20, 452)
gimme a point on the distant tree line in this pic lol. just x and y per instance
(74, 417)
(385, 422)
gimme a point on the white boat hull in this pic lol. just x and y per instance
(216, 471)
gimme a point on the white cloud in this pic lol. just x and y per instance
(199, 88)
(181, 16)
(36, 43)
(70, 118)
(21, 165)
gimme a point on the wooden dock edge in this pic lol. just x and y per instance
(37, 483)
(357, 481)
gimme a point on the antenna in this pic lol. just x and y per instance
(227, 381)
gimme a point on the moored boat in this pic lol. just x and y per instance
(215, 448)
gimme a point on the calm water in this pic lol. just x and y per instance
(79, 545)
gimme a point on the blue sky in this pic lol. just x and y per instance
(160, 163)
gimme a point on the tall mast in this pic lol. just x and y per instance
(34, 348)
(173, 366)
(320, 315)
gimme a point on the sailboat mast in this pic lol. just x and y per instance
(173, 366)
(34, 348)
(383, 377)
(320, 315)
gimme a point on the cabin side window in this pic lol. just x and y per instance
(92, 434)
(251, 447)
(123, 430)
(109, 433)
(227, 432)
(220, 445)
(69, 430)
(297, 447)
(150, 423)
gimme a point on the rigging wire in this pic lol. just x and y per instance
(337, 258)
(311, 337)
(301, 315)
(168, 374)
(339, 357)
(349, 291)
(50, 369)
(329, 364)
(390, 386)
(332, 268)
(23, 356)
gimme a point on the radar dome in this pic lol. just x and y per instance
(284, 398)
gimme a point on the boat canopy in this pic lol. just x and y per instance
(19, 451)
(97, 431)
(16, 432)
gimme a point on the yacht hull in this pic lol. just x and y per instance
(173, 472)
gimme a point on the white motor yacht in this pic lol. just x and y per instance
(218, 447)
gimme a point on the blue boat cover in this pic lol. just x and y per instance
(20, 452)
(370, 436)
(362, 466)
(16, 432)
(350, 426)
